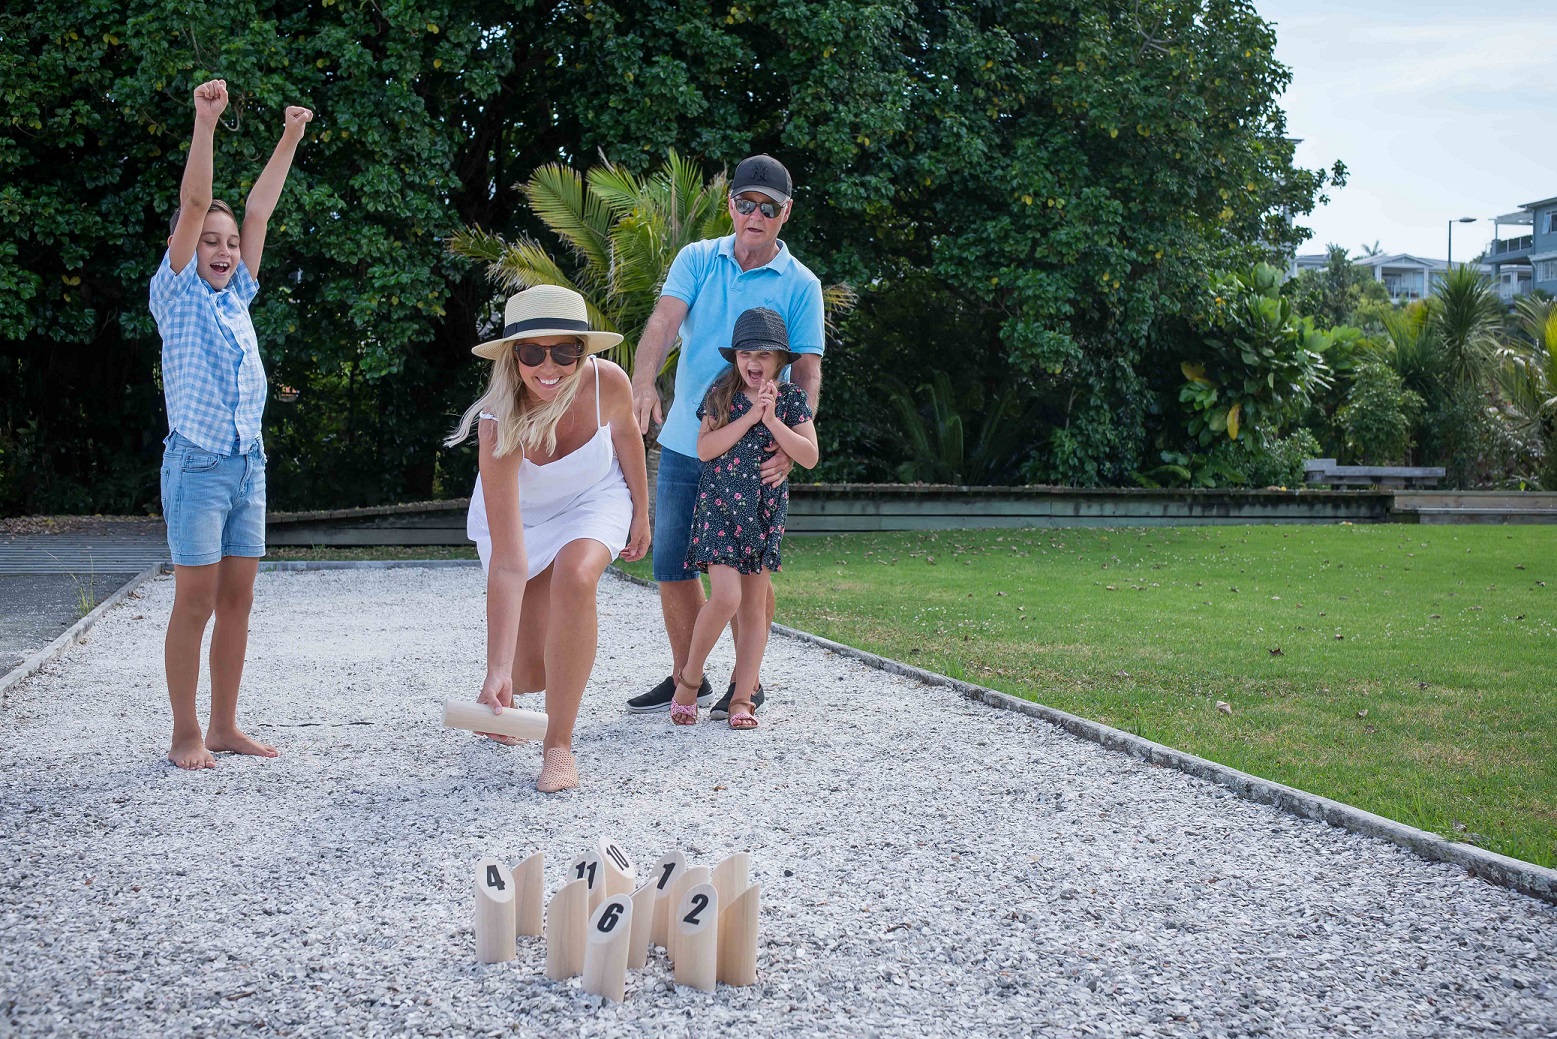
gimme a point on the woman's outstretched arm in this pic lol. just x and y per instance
(507, 568)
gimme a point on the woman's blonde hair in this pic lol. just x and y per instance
(522, 422)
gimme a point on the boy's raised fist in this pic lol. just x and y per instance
(296, 117)
(211, 99)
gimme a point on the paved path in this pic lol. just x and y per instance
(129, 552)
(928, 865)
(49, 581)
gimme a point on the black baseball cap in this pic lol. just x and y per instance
(759, 329)
(762, 173)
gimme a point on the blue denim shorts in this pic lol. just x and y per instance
(214, 504)
(675, 492)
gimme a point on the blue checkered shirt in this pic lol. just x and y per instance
(212, 376)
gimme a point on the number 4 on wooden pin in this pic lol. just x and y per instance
(605, 948)
(494, 912)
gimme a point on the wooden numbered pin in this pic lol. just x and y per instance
(683, 880)
(605, 948)
(567, 915)
(494, 912)
(478, 717)
(732, 876)
(643, 921)
(697, 937)
(616, 869)
(586, 867)
(663, 877)
(530, 895)
(738, 938)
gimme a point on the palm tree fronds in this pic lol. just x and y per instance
(475, 244)
(580, 218)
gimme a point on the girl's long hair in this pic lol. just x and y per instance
(522, 422)
(721, 395)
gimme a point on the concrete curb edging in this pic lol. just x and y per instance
(1524, 877)
(53, 650)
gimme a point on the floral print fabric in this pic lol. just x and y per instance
(737, 521)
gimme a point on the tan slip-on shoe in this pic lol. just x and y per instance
(558, 772)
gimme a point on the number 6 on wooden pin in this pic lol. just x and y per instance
(605, 948)
(697, 938)
(494, 912)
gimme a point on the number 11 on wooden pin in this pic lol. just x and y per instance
(586, 867)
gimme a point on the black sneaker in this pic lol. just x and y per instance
(658, 698)
(721, 709)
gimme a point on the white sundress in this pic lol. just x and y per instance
(583, 494)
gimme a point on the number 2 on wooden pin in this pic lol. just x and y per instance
(699, 903)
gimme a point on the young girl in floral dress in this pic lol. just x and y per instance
(738, 523)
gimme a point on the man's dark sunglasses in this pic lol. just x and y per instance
(771, 210)
(532, 355)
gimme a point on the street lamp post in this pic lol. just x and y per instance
(1461, 220)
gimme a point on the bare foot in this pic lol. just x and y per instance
(191, 754)
(237, 743)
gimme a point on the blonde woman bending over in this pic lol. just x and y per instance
(562, 491)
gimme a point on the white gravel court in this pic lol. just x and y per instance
(930, 866)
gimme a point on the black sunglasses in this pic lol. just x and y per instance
(771, 210)
(532, 355)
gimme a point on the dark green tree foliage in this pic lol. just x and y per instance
(1378, 416)
(974, 442)
(1257, 366)
(1445, 349)
(360, 310)
(1067, 170)
(1332, 296)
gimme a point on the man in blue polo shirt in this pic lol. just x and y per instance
(709, 285)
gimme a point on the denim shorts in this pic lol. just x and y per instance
(214, 504)
(675, 491)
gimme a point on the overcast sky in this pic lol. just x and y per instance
(1439, 109)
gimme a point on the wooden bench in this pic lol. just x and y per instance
(1325, 471)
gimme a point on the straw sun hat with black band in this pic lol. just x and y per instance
(545, 310)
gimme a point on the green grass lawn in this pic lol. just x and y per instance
(1406, 670)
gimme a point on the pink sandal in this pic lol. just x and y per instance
(684, 713)
(745, 718)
